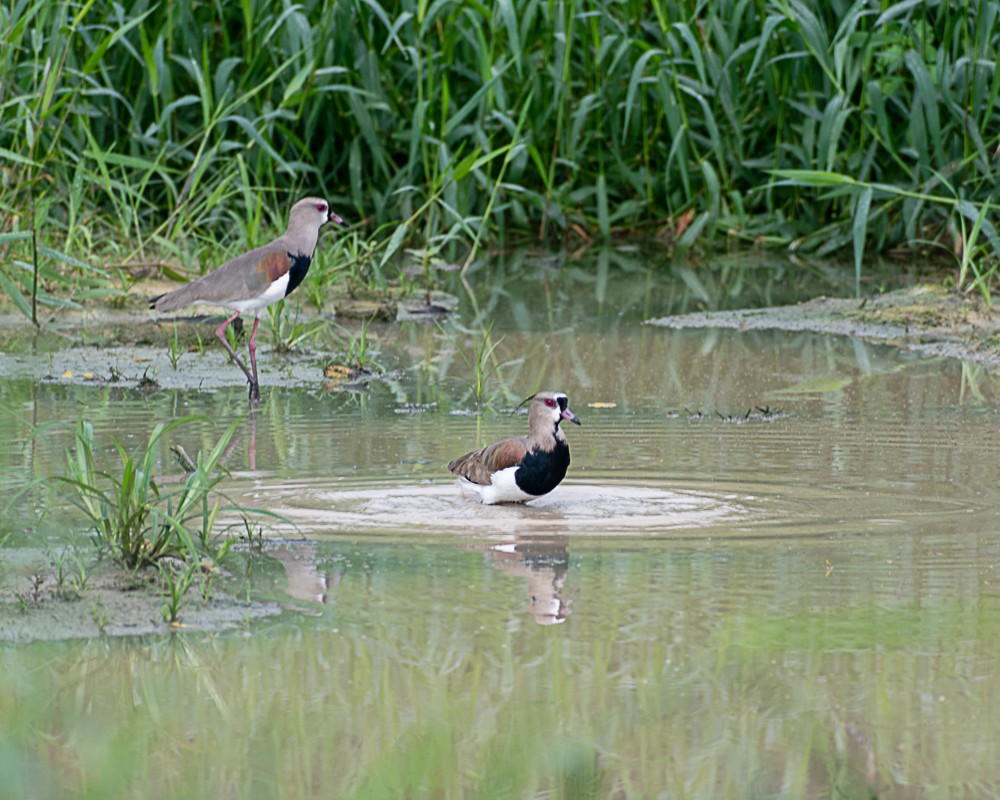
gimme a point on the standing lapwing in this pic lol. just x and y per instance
(254, 280)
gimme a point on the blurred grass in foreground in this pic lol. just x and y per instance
(663, 682)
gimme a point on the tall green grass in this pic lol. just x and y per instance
(174, 130)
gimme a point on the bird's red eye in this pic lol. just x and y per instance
(550, 402)
(321, 208)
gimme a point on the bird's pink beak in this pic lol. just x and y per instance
(567, 414)
(337, 218)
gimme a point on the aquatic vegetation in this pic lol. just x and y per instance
(173, 347)
(358, 348)
(67, 586)
(287, 332)
(99, 614)
(481, 363)
(132, 517)
(177, 582)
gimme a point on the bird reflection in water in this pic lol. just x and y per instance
(544, 562)
(306, 581)
(247, 431)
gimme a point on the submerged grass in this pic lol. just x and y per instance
(170, 132)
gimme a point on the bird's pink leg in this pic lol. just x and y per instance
(254, 386)
(221, 333)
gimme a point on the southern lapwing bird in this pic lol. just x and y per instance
(254, 280)
(523, 467)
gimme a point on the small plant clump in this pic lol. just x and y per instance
(99, 614)
(173, 348)
(133, 519)
(358, 350)
(141, 522)
(178, 579)
(289, 333)
(482, 364)
(70, 578)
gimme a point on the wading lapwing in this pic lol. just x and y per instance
(254, 280)
(523, 467)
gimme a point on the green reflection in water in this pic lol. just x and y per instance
(682, 671)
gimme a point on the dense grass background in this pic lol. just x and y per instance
(165, 130)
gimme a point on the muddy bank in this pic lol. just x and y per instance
(129, 346)
(134, 347)
(38, 600)
(930, 320)
(62, 595)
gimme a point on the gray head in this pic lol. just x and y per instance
(548, 409)
(311, 213)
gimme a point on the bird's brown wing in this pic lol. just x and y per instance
(241, 278)
(478, 465)
(247, 275)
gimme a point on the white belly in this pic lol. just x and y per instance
(273, 294)
(502, 489)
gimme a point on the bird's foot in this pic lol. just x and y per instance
(254, 393)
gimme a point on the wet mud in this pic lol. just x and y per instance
(930, 320)
(46, 595)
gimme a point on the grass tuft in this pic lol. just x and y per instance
(133, 518)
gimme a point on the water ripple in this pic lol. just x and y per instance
(612, 507)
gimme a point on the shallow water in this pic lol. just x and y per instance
(798, 602)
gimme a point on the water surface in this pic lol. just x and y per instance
(771, 571)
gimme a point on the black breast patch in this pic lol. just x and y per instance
(540, 472)
(298, 270)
